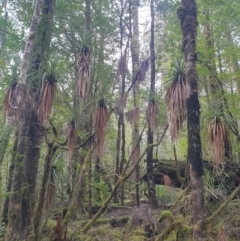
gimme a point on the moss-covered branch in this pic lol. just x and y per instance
(224, 205)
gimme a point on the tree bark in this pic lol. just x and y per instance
(210, 58)
(187, 13)
(15, 228)
(9, 183)
(41, 197)
(15, 224)
(135, 63)
(150, 176)
(40, 49)
(86, 123)
(18, 100)
(117, 163)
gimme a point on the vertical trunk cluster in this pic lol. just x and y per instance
(187, 13)
(41, 198)
(15, 222)
(40, 50)
(83, 121)
(150, 175)
(22, 199)
(85, 125)
(120, 154)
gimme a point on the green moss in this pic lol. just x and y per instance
(166, 214)
(51, 224)
(84, 238)
(186, 229)
(180, 11)
(137, 234)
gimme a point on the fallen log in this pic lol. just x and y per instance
(228, 176)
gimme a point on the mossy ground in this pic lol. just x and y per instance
(135, 224)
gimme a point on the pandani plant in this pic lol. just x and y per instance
(101, 116)
(48, 91)
(83, 73)
(176, 97)
(218, 139)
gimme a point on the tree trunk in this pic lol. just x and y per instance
(150, 176)
(187, 14)
(86, 124)
(4, 139)
(117, 163)
(78, 192)
(210, 59)
(17, 108)
(15, 227)
(42, 194)
(3, 35)
(9, 183)
(235, 60)
(135, 64)
(41, 46)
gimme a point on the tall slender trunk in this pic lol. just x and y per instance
(187, 13)
(210, 54)
(120, 154)
(150, 176)
(122, 148)
(86, 124)
(117, 163)
(234, 61)
(99, 69)
(134, 4)
(4, 3)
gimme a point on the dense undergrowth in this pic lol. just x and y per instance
(171, 221)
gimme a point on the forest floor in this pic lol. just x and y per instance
(171, 221)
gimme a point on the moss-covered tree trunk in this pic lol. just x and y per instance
(135, 64)
(15, 224)
(19, 110)
(187, 13)
(41, 196)
(150, 176)
(40, 51)
(9, 182)
(19, 94)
